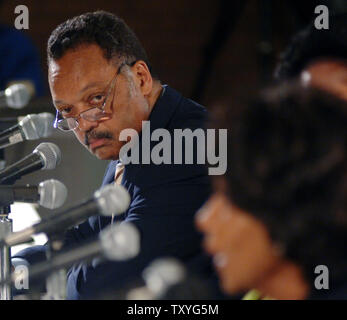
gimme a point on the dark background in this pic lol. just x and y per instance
(231, 37)
(208, 50)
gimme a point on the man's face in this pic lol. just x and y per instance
(242, 249)
(329, 75)
(81, 78)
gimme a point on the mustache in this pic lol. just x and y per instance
(97, 135)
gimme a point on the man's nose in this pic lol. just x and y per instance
(86, 125)
(204, 217)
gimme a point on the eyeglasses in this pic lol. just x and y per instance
(92, 114)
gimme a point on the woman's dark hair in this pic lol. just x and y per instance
(287, 166)
(311, 44)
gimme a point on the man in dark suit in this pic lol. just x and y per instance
(101, 84)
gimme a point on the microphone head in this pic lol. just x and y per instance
(36, 126)
(163, 273)
(47, 120)
(112, 199)
(17, 96)
(120, 241)
(31, 127)
(49, 153)
(52, 193)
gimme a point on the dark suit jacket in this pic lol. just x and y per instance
(164, 199)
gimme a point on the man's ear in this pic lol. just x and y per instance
(143, 77)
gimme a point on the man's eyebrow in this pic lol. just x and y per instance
(85, 88)
(90, 85)
(57, 102)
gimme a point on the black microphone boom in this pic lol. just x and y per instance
(45, 156)
(8, 194)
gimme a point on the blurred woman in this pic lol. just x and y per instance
(280, 211)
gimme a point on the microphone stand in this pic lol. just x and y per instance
(6, 227)
(5, 123)
(56, 281)
(2, 160)
(5, 251)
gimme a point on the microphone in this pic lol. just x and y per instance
(159, 276)
(50, 194)
(168, 279)
(163, 273)
(46, 156)
(117, 242)
(31, 127)
(15, 96)
(111, 199)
